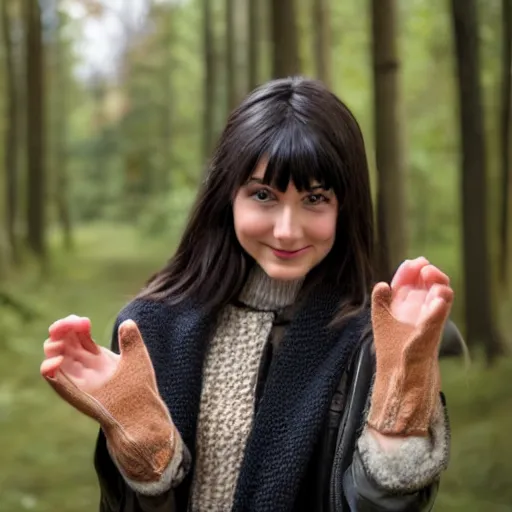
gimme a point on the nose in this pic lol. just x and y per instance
(287, 225)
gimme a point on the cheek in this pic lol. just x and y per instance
(250, 223)
(323, 229)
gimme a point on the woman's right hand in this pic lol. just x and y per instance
(119, 392)
(71, 350)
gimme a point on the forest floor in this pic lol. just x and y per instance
(46, 447)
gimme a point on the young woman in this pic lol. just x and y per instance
(261, 369)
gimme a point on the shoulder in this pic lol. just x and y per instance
(144, 311)
(150, 316)
(159, 321)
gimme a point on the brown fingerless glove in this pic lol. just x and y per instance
(407, 380)
(139, 431)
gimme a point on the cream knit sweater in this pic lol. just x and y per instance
(230, 377)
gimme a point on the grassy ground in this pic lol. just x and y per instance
(46, 447)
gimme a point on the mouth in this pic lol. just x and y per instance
(286, 255)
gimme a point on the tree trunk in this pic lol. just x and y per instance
(506, 140)
(253, 43)
(60, 163)
(231, 79)
(209, 80)
(322, 41)
(284, 35)
(168, 98)
(36, 185)
(11, 138)
(391, 214)
(477, 280)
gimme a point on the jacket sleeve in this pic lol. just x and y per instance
(408, 480)
(364, 495)
(405, 480)
(374, 480)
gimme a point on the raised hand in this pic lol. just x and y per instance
(118, 391)
(419, 291)
(408, 317)
(71, 350)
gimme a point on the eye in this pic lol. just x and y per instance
(313, 199)
(263, 195)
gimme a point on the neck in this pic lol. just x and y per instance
(264, 293)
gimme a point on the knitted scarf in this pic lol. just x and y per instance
(300, 385)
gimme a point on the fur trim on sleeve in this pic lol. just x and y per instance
(415, 464)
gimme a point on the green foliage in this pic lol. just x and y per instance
(166, 214)
(480, 406)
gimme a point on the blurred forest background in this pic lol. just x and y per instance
(108, 112)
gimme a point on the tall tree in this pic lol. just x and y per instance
(11, 134)
(477, 276)
(391, 216)
(286, 60)
(209, 80)
(36, 183)
(253, 43)
(506, 139)
(231, 78)
(166, 70)
(60, 117)
(322, 40)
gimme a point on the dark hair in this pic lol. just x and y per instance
(306, 133)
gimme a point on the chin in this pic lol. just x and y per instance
(282, 273)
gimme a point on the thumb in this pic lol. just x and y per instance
(381, 295)
(129, 337)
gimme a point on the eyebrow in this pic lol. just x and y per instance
(260, 181)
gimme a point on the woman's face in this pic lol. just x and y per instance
(287, 233)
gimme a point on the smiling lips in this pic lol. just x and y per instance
(287, 255)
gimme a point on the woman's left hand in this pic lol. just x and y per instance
(408, 318)
(419, 290)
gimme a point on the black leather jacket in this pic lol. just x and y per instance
(341, 483)
(358, 492)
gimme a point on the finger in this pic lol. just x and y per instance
(71, 341)
(439, 310)
(439, 291)
(408, 272)
(381, 295)
(129, 336)
(53, 348)
(84, 336)
(431, 275)
(76, 331)
(50, 366)
(88, 343)
(61, 327)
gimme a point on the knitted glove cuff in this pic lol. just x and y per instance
(172, 475)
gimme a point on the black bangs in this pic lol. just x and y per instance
(295, 130)
(295, 152)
